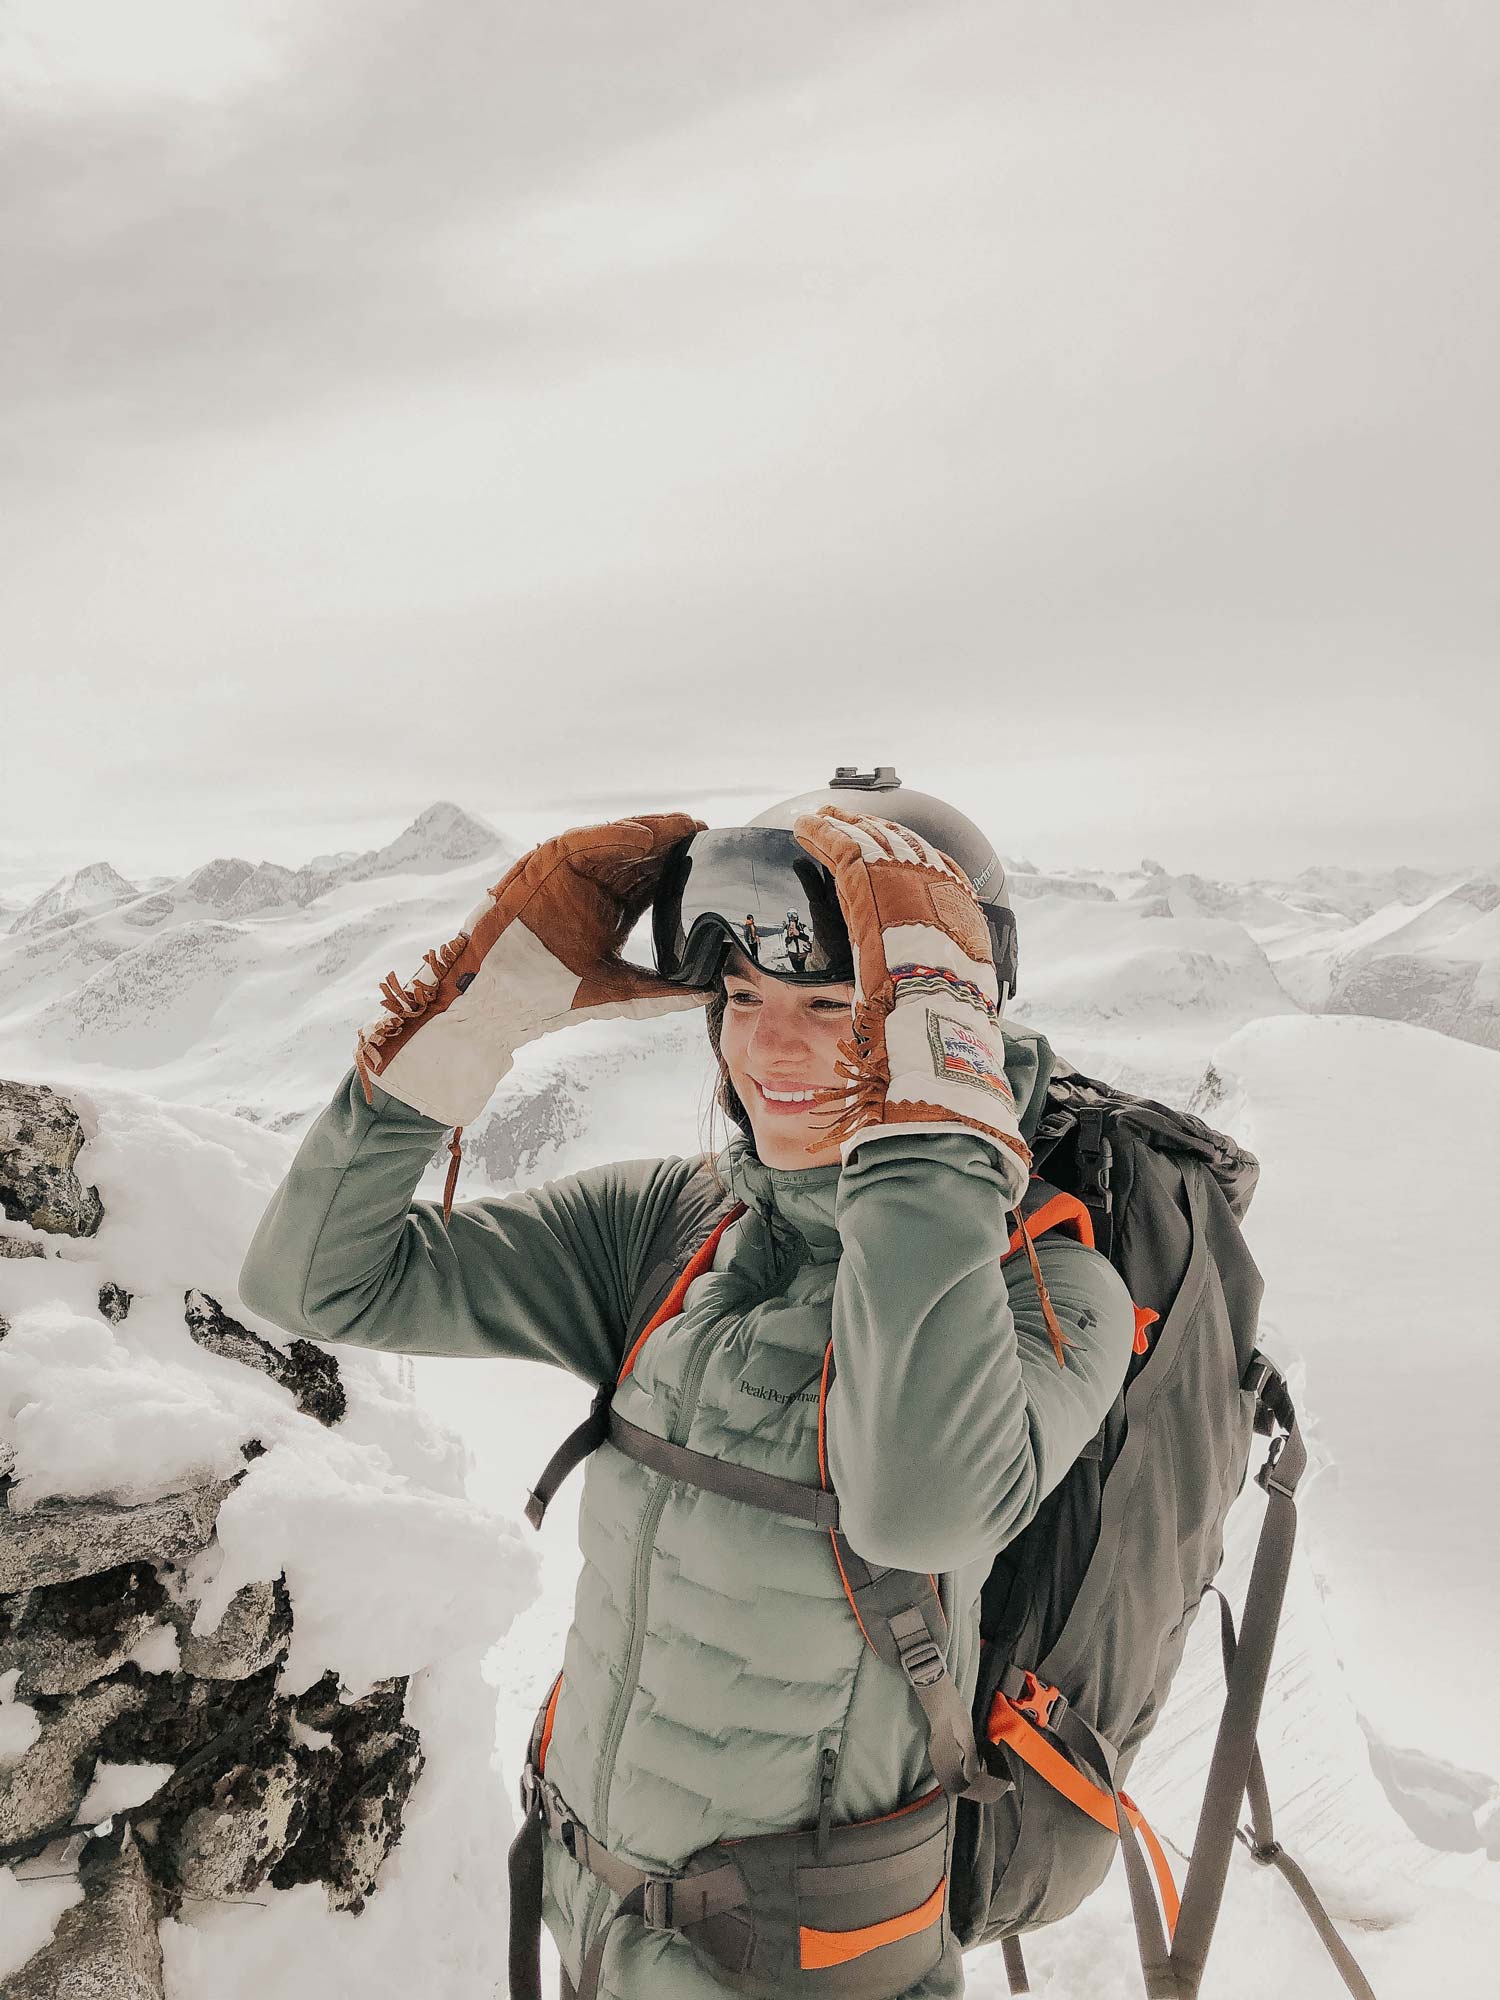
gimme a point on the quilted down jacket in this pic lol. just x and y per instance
(713, 1655)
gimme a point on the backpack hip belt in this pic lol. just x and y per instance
(852, 1910)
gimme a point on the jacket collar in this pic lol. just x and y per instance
(803, 1201)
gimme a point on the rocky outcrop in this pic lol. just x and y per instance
(114, 1302)
(262, 1786)
(43, 1788)
(40, 1138)
(310, 1372)
(254, 1630)
(107, 1946)
(65, 1638)
(365, 1773)
(62, 1540)
(527, 1121)
(98, 1600)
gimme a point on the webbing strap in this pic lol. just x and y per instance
(1234, 1748)
(1096, 1796)
(1260, 1838)
(717, 1475)
(662, 1902)
(524, 1865)
(573, 1450)
(1015, 1965)
(659, 1301)
(1151, 1940)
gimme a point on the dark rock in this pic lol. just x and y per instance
(310, 1372)
(40, 1138)
(69, 1635)
(114, 1301)
(19, 1246)
(105, 1948)
(231, 1743)
(201, 1727)
(62, 1539)
(361, 1785)
(43, 1787)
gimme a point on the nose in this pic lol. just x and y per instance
(776, 1040)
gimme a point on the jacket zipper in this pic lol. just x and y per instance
(692, 1381)
(828, 1770)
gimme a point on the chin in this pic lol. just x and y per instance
(789, 1150)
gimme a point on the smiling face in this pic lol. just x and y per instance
(784, 1039)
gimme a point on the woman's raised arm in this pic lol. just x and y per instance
(343, 1252)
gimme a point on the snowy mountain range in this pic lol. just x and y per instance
(239, 985)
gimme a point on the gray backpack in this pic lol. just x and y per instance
(1075, 1666)
(1083, 1619)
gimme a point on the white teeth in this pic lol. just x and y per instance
(788, 1096)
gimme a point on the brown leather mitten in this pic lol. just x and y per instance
(539, 952)
(927, 1054)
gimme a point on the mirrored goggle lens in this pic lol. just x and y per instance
(757, 888)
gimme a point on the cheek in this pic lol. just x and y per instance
(733, 1034)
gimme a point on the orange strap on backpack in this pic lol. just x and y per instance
(1009, 1725)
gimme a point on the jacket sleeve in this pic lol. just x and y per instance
(949, 1420)
(343, 1252)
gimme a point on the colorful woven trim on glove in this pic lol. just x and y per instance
(907, 980)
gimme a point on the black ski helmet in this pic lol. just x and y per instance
(881, 793)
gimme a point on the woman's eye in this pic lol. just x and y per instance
(825, 1006)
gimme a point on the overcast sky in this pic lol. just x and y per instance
(556, 406)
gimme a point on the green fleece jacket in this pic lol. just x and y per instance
(713, 1653)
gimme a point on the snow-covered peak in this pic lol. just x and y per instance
(267, 887)
(216, 882)
(82, 894)
(444, 836)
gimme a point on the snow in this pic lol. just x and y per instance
(29, 1911)
(19, 1724)
(1374, 1223)
(397, 1532)
(117, 1787)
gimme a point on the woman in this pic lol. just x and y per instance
(853, 1328)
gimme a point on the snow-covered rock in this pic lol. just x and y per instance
(252, 1622)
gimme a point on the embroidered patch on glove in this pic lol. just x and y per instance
(959, 1053)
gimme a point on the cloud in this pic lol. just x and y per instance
(492, 396)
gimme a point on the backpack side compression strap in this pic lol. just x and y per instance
(1260, 1838)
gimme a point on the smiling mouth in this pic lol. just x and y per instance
(793, 1100)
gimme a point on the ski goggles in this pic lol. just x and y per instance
(755, 887)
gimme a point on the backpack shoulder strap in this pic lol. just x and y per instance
(689, 1229)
